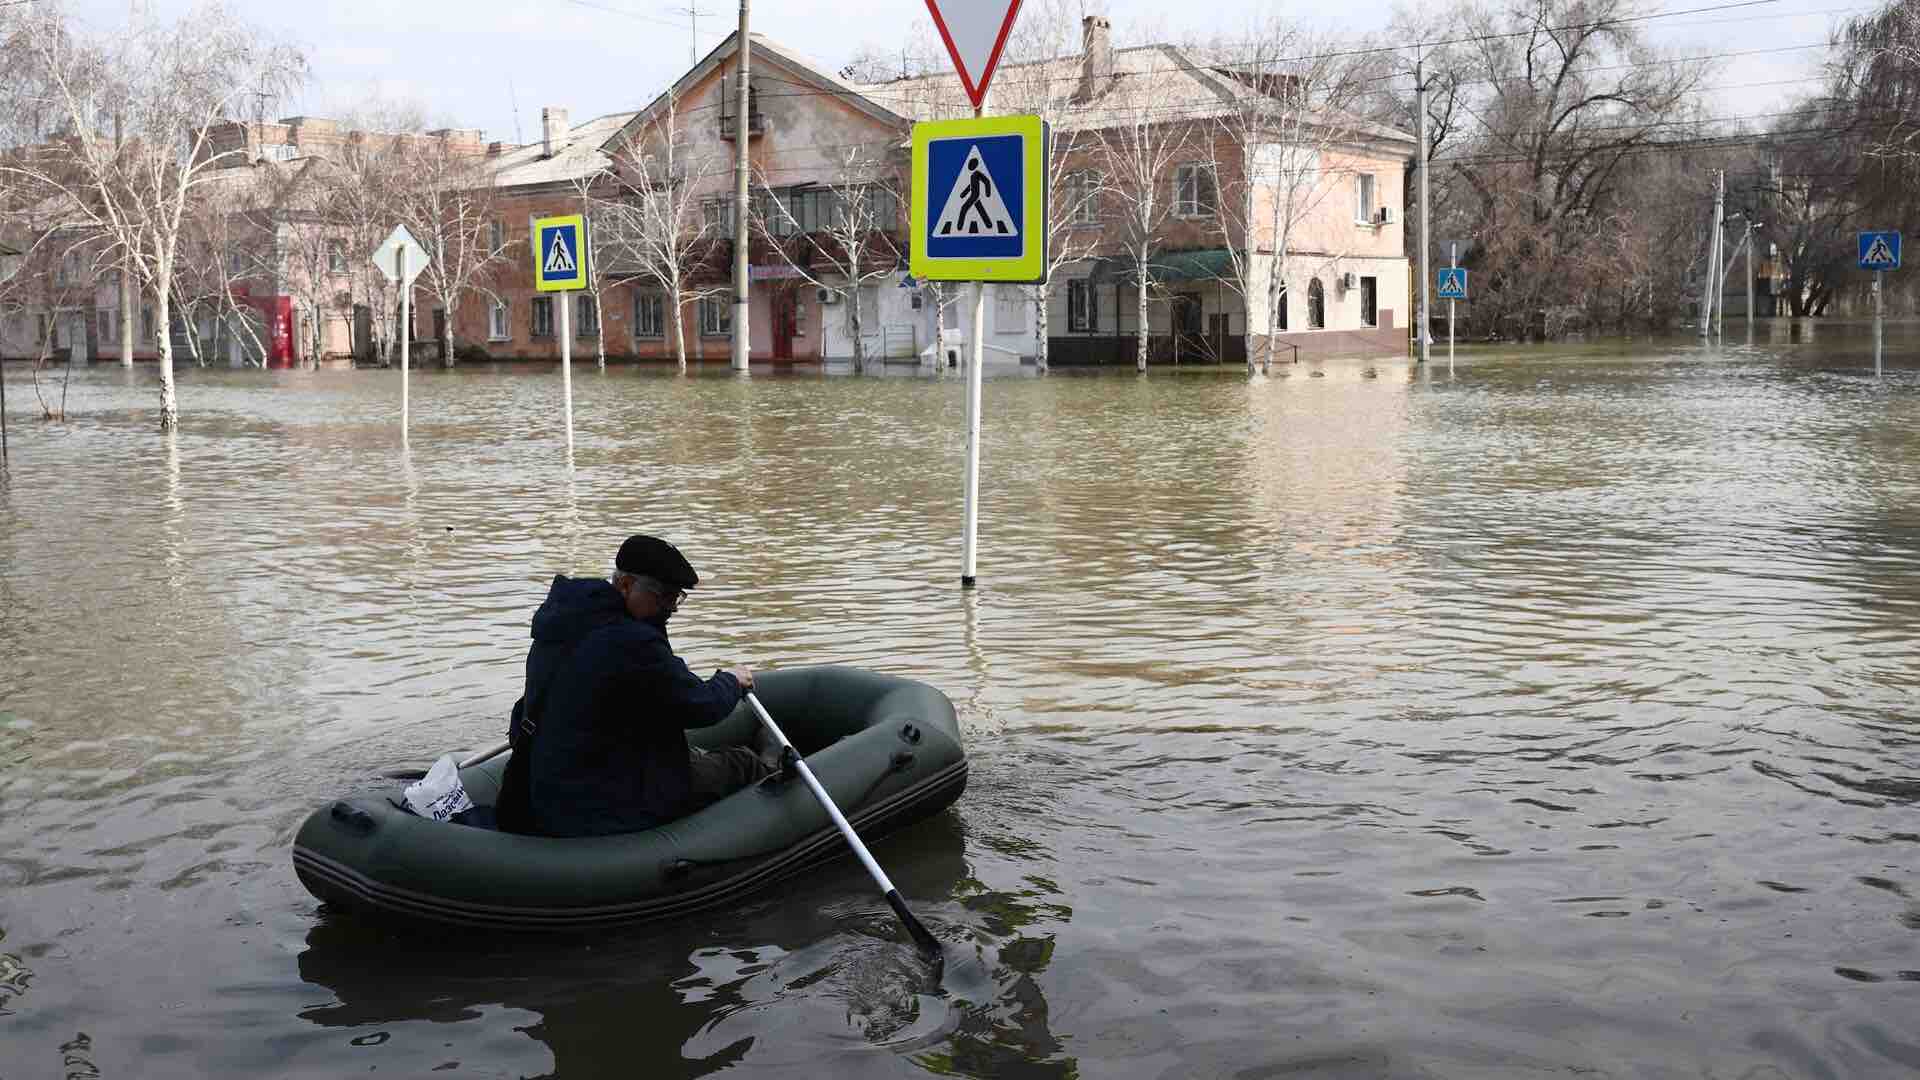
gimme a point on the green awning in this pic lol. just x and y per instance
(1211, 264)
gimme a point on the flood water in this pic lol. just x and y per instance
(1553, 718)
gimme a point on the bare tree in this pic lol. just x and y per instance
(842, 234)
(445, 197)
(1268, 157)
(652, 226)
(171, 86)
(1141, 140)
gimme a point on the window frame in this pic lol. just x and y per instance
(1188, 204)
(542, 311)
(716, 316)
(1365, 198)
(1083, 198)
(1316, 305)
(500, 321)
(1083, 307)
(649, 307)
(1370, 301)
(586, 315)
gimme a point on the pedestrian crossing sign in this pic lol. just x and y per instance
(1453, 283)
(980, 200)
(560, 253)
(1879, 251)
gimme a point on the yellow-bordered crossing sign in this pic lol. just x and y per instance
(980, 199)
(560, 253)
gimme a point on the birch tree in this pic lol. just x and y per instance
(1141, 140)
(1266, 156)
(170, 85)
(653, 227)
(445, 197)
(842, 234)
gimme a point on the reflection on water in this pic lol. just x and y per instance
(1357, 721)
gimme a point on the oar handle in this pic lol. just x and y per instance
(486, 755)
(920, 934)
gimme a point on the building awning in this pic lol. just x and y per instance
(1167, 267)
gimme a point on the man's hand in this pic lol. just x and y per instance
(743, 675)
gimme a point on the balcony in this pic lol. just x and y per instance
(756, 124)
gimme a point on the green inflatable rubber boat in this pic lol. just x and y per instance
(887, 749)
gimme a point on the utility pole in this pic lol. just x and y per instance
(743, 108)
(1426, 211)
(1752, 227)
(1713, 258)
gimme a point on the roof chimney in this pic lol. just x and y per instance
(553, 130)
(1096, 57)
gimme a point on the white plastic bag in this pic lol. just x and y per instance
(439, 794)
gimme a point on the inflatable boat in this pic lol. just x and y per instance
(887, 749)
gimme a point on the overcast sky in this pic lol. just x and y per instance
(468, 62)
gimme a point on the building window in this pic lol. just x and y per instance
(1195, 191)
(1370, 301)
(1316, 305)
(883, 208)
(1007, 309)
(498, 328)
(1363, 204)
(1082, 314)
(543, 316)
(717, 214)
(716, 316)
(106, 325)
(336, 256)
(586, 316)
(648, 315)
(1281, 305)
(1082, 191)
(146, 324)
(497, 235)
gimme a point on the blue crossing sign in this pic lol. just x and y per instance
(560, 253)
(980, 200)
(1453, 283)
(1879, 251)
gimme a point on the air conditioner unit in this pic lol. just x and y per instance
(827, 296)
(1384, 215)
(1348, 280)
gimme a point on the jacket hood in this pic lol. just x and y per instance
(575, 607)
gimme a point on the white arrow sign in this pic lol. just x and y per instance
(976, 33)
(400, 258)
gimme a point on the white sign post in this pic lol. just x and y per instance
(401, 259)
(975, 33)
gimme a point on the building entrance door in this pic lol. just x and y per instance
(76, 339)
(786, 319)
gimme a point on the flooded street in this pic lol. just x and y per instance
(1555, 717)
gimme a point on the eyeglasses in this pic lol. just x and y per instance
(670, 597)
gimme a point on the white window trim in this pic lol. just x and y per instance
(1371, 184)
(1183, 209)
(502, 311)
(640, 333)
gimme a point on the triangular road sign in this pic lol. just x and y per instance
(1879, 254)
(975, 32)
(974, 207)
(560, 261)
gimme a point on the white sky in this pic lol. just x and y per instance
(468, 61)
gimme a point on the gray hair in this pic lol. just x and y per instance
(651, 585)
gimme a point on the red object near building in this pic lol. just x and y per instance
(277, 313)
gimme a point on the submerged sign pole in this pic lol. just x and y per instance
(1879, 252)
(560, 264)
(1453, 258)
(976, 364)
(400, 259)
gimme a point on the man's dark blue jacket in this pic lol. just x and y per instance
(606, 709)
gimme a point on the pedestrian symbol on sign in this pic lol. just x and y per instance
(1879, 251)
(974, 208)
(560, 258)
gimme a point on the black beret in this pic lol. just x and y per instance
(657, 559)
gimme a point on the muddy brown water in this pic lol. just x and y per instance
(1557, 717)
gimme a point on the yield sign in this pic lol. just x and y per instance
(975, 32)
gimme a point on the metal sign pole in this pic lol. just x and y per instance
(406, 323)
(1879, 316)
(1453, 256)
(976, 350)
(566, 363)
